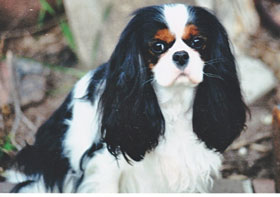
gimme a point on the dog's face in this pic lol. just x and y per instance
(176, 50)
(179, 60)
(176, 43)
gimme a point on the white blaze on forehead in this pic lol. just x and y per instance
(176, 17)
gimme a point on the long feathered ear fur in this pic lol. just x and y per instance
(219, 113)
(132, 120)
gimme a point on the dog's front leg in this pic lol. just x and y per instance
(102, 174)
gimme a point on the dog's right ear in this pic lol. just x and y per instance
(132, 120)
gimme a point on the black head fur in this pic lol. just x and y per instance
(132, 120)
(219, 113)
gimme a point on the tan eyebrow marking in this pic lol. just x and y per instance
(165, 35)
(190, 30)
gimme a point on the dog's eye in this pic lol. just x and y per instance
(158, 47)
(197, 43)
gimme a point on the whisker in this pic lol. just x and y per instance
(213, 76)
(149, 80)
(211, 63)
(218, 60)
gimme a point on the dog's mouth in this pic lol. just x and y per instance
(178, 78)
(185, 78)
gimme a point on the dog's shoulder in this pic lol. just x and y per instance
(48, 156)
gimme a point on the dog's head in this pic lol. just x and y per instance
(170, 45)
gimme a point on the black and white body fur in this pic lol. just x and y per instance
(155, 118)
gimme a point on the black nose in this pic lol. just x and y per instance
(181, 59)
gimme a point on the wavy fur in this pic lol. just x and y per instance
(120, 130)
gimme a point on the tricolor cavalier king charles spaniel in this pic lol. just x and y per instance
(155, 118)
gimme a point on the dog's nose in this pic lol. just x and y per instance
(181, 59)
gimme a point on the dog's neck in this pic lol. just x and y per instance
(176, 100)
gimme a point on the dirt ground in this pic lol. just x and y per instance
(250, 156)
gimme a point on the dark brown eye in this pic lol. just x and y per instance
(197, 43)
(158, 47)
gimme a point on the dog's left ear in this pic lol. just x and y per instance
(219, 113)
(132, 120)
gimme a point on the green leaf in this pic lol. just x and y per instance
(41, 18)
(46, 6)
(107, 12)
(59, 3)
(67, 33)
(8, 146)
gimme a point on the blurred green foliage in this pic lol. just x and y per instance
(67, 33)
(6, 147)
(45, 8)
(96, 44)
(65, 29)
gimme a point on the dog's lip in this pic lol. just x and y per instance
(182, 74)
(188, 76)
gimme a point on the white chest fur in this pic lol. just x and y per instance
(180, 163)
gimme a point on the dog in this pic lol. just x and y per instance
(155, 118)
